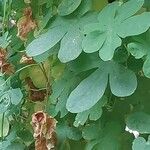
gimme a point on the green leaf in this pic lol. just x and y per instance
(139, 121)
(111, 43)
(70, 47)
(5, 101)
(142, 25)
(123, 81)
(81, 118)
(64, 131)
(140, 144)
(107, 15)
(71, 43)
(146, 67)
(5, 126)
(129, 8)
(93, 42)
(45, 41)
(16, 146)
(82, 64)
(66, 7)
(85, 6)
(25, 135)
(90, 145)
(73, 133)
(109, 138)
(45, 55)
(4, 40)
(91, 27)
(89, 133)
(137, 49)
(60, 106)
(88, 92)
(96, 110)
(43, 22)
(117, 22)
(93, 114)
(4, 145)
(15, 95)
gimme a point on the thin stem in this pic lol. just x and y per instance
(4, 16)
(44, 71)
(47, 80)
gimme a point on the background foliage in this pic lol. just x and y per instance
(84, 62)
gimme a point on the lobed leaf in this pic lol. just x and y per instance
(70, 47)
(66, 7)
(88, 92)
(139, 121)
(46, 41)
(122, 81)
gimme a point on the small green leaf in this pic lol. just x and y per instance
(91, 27)
(4, 145)
(43, 57)
(139, 121)
(64, 131)
(45, 41)
(142, 25)
(93, 114)
(88, 92)
(81, 118)
(93, 42)
(60, 106)
(96, 110)
(140, 144)
(123, 81)
(89, 133)
(90, 145)
(107, 15)
(137, 49)
(5, 101)
(73, 133)
(66, 7)
(109, 139)
(146, 67)
(86, 5)
(16, 146)
(82, 64)
(5, 126)
(128, 9)
(70, 47)
(111, 43)
(15, 95)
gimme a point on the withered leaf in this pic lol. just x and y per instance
(25, 24)
(5, 66)
(44, 131)
(34, 93)
(26, 59)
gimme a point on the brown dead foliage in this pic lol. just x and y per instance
(34, 93)
(5, 66)
(44, 131)
(25, 24)
(26, 60)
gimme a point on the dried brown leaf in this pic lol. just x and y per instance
(25, 24)
(35, 94)
(26, 59)
(5, 66)
(44, 131)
